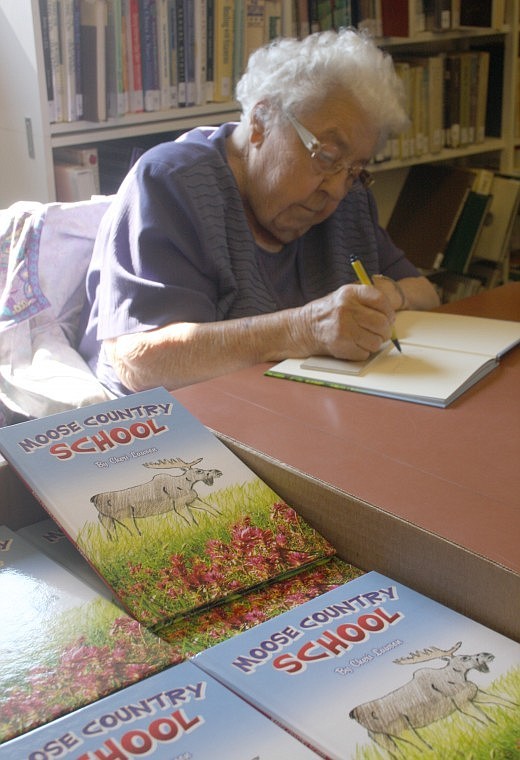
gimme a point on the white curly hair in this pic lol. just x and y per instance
(295, 75)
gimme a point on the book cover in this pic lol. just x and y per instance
(194, 633)
(460, 247)
(443, 355)
(93, 27)
(152, 498)
(178, 714)
(375, 669)
(46, 536)
(427, 210)
(63, 646)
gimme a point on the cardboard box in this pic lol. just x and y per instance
(363, 535)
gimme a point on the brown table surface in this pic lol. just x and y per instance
(454, 472)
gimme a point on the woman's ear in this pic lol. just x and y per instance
(259, 123)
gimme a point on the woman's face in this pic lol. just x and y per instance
(285, 189)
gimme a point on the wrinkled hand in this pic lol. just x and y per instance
(350, 323)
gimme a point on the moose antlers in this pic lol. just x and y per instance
(162, 464)
(430, 653)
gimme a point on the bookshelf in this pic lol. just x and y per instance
(28, 139)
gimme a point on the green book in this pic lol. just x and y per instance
(463, 240)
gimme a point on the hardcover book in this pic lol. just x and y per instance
(166, 514)
(180, 713)
(375, 669)
(443, 355)
(62, 644)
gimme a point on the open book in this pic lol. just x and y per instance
(442, 356)
(167, 515)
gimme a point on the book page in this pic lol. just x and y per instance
(456, 332)
(422, 374)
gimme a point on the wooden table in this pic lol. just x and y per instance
(443, 484)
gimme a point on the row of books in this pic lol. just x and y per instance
(198, 595)
(107, 58)
(396, 18)
(346, 669)
(446, 98)
(475, 211)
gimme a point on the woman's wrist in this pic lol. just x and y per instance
(401, 295)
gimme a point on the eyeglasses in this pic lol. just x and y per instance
(327, 157)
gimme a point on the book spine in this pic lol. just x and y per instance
(149, 60)
(46, 43)
(68, 59)
(201, 46)
(189, 51)
(163, 55)
(55, 59)
(210, 50)
(172, 47)
(136, 98)
(77, 53)
(482, 92)
(224, 23)
(180, 45)
(116, 105)
(93, 21)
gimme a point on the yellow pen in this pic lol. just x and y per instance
(364, 279)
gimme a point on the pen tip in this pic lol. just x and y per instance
(397, 345)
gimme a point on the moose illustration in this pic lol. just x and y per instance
(432, 694)
(163, 493)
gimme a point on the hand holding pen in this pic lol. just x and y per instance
(365, 279)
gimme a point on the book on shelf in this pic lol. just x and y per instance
(484, 13)
(463, 240)
(52, 16)
(180, 713)
(443, 355)
(46, 46)
(149, 59)
(134, 73)
(493, 241)
(223, 50)
(67, 35)
(163, 55)
(63, 645)
(437, 15)
(426, 211)
(200, 42)
(273, 22)
(189, 51)
(117, 88)
(93, 28)
(151, 498)
(83, 156)
(253, 28)
(402, 18)
(374, 666)
(74, 182)
(210, 50)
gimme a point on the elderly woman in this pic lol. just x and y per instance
(231, 246)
